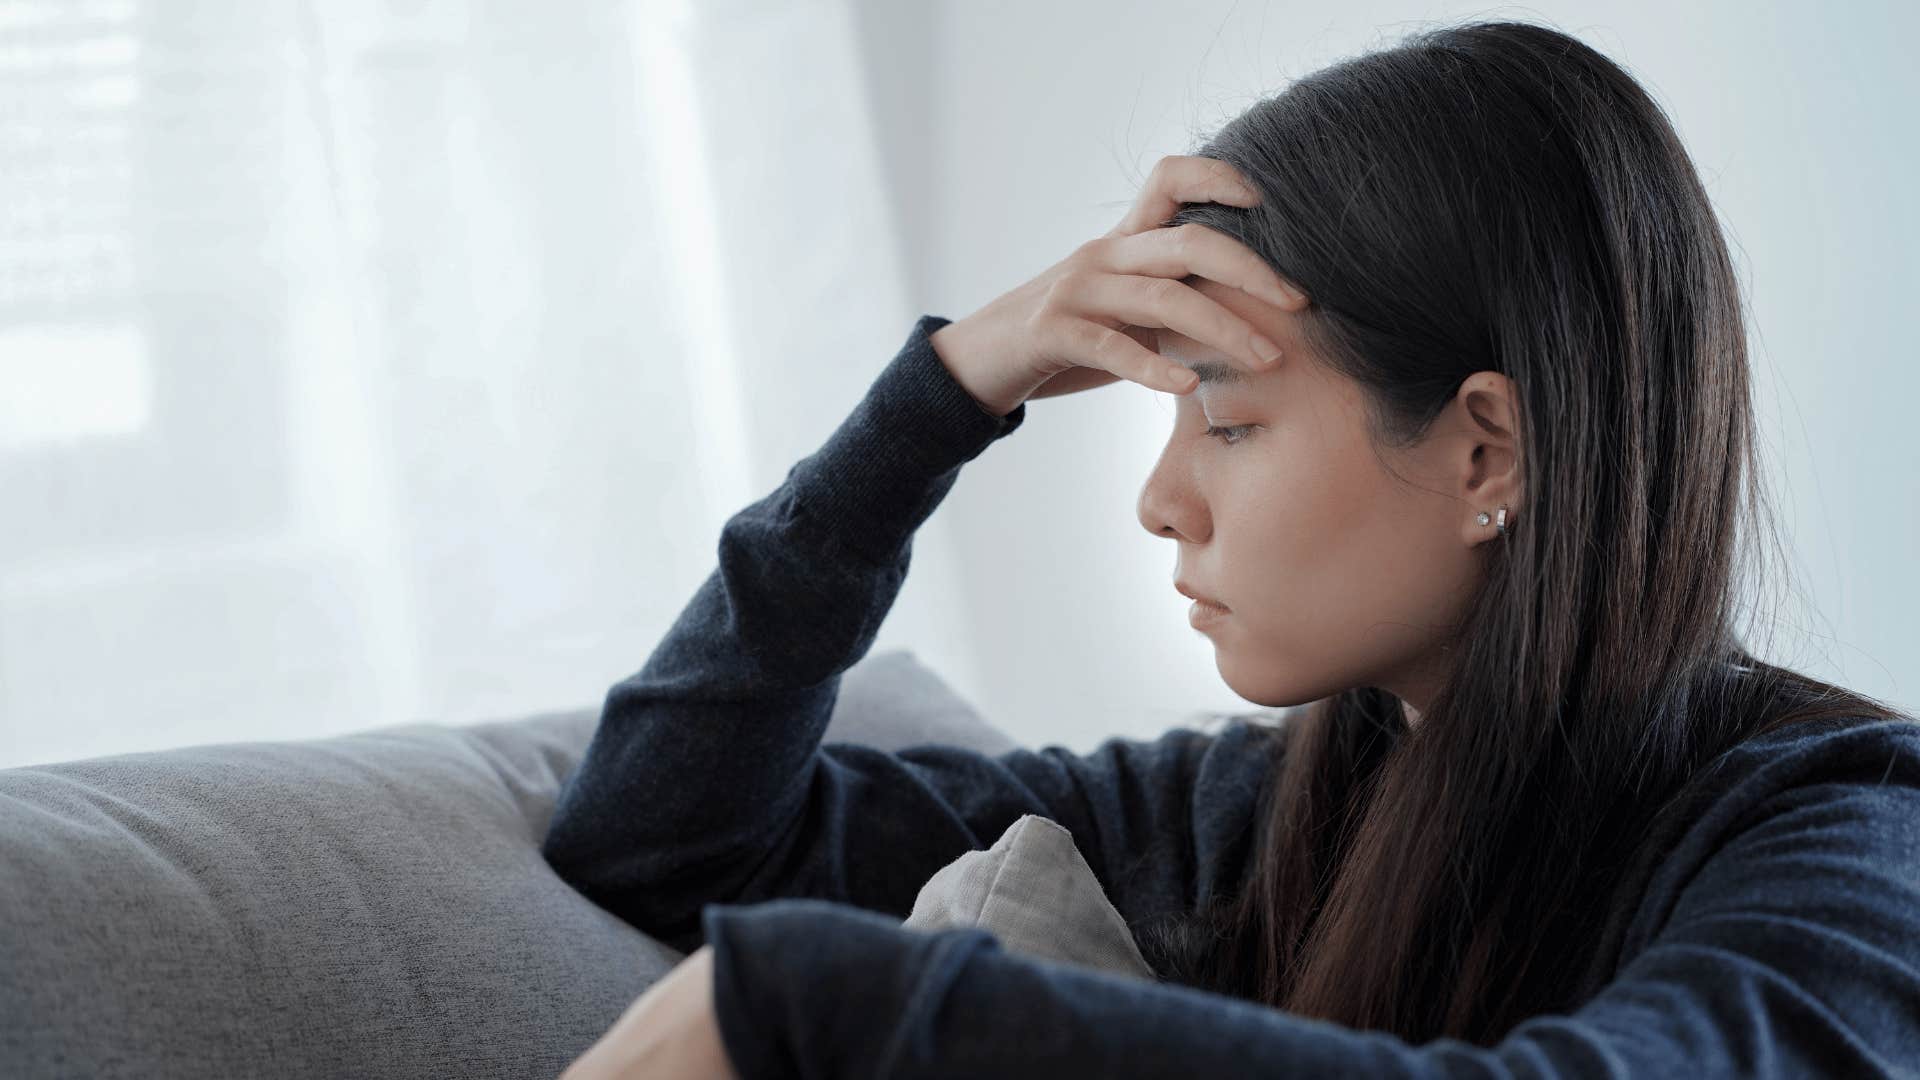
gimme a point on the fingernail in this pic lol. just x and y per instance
(1267, 350)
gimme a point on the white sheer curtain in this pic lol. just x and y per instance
(377, 361)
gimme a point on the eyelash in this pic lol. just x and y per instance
(1229, 436)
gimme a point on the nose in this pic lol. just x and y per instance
(1168, 505)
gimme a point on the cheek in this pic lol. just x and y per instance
(1296, 531)
(1322, 560)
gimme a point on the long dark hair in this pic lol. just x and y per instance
(1499, 196)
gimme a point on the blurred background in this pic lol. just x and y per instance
(387, 360)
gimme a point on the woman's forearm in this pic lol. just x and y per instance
(703, 756)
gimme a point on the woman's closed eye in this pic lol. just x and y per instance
(1229, 435)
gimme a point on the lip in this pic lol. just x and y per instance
(1191, 593)
(1203, 614)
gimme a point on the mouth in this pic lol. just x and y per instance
(1203, 614)
(1201, 600)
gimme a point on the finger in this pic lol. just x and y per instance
(1159, 301)
(1183, 179)
(1096, 346)
(1073, 380)
(1196, 249)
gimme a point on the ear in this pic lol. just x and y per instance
(1485, 472)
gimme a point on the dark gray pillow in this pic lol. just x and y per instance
(369, 905)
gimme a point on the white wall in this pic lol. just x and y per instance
(364, 363)
(1014, 131)
(368, 362)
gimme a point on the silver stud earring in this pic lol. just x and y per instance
(1484, 518)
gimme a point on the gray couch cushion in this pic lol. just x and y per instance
(1034, 892)
(368, 905)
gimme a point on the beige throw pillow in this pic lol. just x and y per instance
(1033, 891)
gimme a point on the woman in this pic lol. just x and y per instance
(1544, 814)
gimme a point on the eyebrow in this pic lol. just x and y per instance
(1217, 372)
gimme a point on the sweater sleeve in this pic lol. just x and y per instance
(1793, 950)
(705, 778)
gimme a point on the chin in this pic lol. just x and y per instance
(1267, 684)
(1258, 687)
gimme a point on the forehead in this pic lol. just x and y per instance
(1217, 368)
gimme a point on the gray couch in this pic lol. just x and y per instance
(368, 905)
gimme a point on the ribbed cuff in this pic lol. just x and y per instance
(807, 987)
(752, 1040)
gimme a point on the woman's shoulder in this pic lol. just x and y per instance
(1834, 774)
(1831, 750)
(1840, 791)
(1827, 759)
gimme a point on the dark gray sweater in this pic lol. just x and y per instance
(1778, 933)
